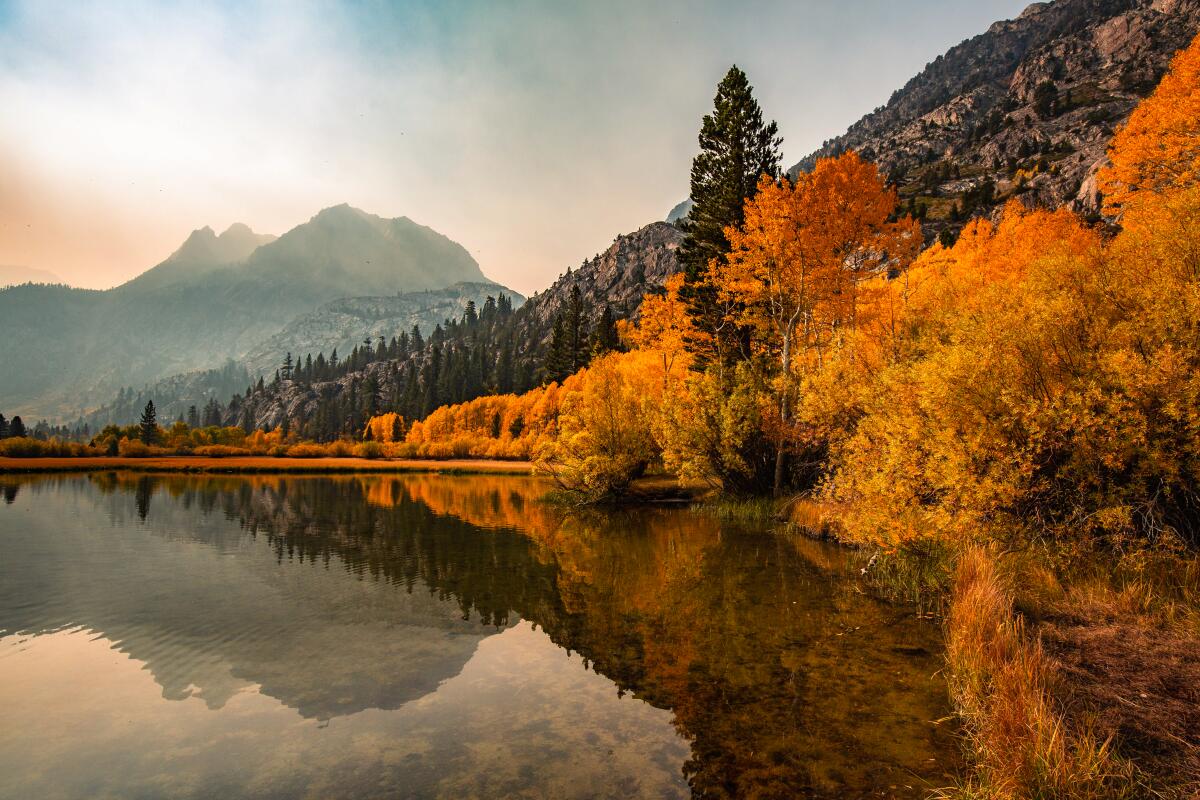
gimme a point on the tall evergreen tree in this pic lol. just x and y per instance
(3, 427)
(604, 338)
(736, 149)
(578, 349)
(558, 358)
(149, 423)
(16, 428)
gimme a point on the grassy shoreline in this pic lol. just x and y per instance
(249, 465)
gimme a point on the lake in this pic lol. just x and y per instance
(441, 636)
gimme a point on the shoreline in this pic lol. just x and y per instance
(248, 465)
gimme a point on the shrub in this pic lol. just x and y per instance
(369, 450)
(24, 447)
(134, 448)
(306, 450)
(221, 451)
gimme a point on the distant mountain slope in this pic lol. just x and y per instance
(462, 362)
(71, 350)
(345, 323)
(1026, 108)
(201, 253)
(340, 325)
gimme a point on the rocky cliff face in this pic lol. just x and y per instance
(1025, 109)
(617, 277)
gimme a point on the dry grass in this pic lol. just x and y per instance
(1000, 680)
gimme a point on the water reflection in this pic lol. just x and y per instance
(463, 639)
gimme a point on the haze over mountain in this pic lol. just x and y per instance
(212, 300)
(11, 275)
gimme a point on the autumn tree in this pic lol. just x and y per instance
(1158, 148)
(663, 327)
(736, 148)
(604, 439)
(795, 265)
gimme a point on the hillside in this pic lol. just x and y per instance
(345, 323)
(1024, 109)
(502, 350)
(198, 309)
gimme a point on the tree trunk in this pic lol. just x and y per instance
(783, 412)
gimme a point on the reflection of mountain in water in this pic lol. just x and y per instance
(785, 678)
(213, 611)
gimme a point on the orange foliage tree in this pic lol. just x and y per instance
(795, 267)
(1158, 148)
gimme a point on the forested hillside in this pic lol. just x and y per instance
(482, 348)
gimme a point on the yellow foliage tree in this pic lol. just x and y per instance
(605, 439)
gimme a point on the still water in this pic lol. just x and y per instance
(436, 636)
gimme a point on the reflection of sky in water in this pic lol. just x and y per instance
(317, 637)
(522, 714)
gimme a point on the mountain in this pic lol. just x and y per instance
(339, 326)
(502, 350)
(11, 275)
(212, 300)
(1024, 109)
(681, 210)
(201, 253)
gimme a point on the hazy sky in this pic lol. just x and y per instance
(531, 132)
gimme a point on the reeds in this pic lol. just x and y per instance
(1000, 681)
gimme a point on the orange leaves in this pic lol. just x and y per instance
(796, 266)
(1158, 149)
(664, 327)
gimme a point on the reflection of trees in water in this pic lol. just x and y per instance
(10, 492)
(752, 646)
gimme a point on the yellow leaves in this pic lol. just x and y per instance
(604, 438)
(1158, 149)
(386, 428)
(796, 265)
(1044, 381)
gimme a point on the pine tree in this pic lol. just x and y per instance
(577, 346)
(286, 372)
(504, 368)
(604, 338)
(149, 423)
(193, 417)
(3, 427)
(736, 149)
(558, 358)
